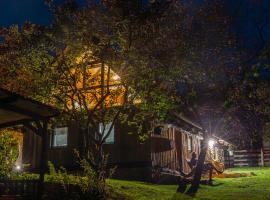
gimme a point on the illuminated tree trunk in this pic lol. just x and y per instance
(199, 168)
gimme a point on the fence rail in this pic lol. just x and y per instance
(257, 157)
(24, 188)
(28, 189)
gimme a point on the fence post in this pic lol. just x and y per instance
(262, 158)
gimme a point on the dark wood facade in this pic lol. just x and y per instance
(179, 146)
(171, 149)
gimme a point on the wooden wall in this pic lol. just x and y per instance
(170, 149)
(163, 150)
(228, 159)
(185, 154)
(134, 160)
(126, 152)
(31, 150)
(65, 156)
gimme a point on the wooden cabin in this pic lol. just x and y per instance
(168, 148)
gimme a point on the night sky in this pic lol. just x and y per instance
(252, 13)
(19, 11)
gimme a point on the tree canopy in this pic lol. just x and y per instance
(99, 62)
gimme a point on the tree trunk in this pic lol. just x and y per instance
(199, 168)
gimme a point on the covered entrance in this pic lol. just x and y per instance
(17, 110)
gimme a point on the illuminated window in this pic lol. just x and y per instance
(110, 138)
(59, 137)
(189, 143)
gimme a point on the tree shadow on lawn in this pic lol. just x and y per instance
(217, 184)
(179, 195)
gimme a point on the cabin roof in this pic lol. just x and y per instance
(16, 109)
(188, 121)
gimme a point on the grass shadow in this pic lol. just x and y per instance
(217, 184)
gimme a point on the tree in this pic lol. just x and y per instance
(188, 54)
(70, 65)
(169, 56)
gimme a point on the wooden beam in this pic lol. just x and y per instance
(21, 111)
(9, 99)
(103, 86)
(14, 123)
(11, 95)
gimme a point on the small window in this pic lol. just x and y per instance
(158, 130)
(110, 138)
(189, 143)
(59, 137)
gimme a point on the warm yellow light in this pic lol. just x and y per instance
(116, 77)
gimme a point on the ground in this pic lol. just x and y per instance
(244, 188)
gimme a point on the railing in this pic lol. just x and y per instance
(23, 188)
(260, 157)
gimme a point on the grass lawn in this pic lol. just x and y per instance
(244, 188)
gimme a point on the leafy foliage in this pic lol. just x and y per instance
(172, 57)
(8, 153)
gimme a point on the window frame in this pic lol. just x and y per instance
(52, 138)
(189, 143)
(100, 125)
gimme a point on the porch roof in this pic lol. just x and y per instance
(16, 109)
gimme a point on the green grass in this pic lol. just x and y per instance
(244, 188)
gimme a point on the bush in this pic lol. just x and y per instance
(8, 153)
(71, 186)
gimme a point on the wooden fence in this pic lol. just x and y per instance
(28, 189)
(228, 159)
(260, 157)
(23, 188)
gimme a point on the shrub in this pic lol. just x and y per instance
(8, 153)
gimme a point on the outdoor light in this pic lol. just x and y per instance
(211, 143)
(18, 168)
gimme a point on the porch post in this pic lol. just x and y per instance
(43, 129)
(262, 157)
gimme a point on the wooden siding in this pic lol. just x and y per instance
(228, 159)
(175, 154)
(134, 160)
(163, 150)
(65, 156)
(31, 150)
(185, 155)
(127, 150)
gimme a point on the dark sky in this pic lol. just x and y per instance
(19, 11)
(252, 12)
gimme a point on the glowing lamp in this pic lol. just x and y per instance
(18, 167)
(211, 143)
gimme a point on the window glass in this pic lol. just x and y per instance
(110, 138)
(189, 143)
(60, 137)
(158, 130)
